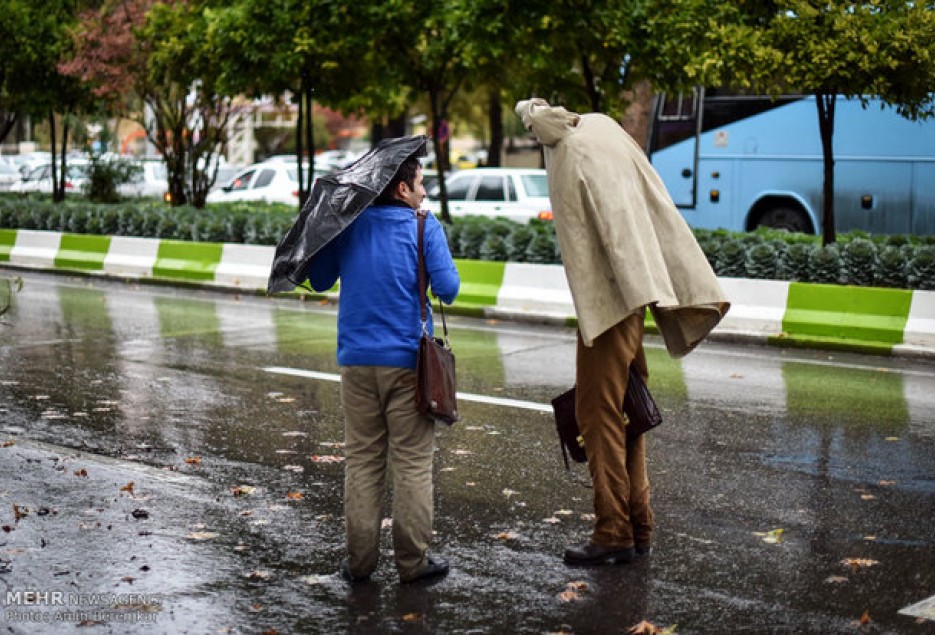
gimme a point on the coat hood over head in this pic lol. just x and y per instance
(550, 124)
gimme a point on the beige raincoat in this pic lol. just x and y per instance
(623, 242)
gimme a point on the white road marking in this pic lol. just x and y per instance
(924, 609)
(465, 396)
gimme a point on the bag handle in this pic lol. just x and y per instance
(421, 215)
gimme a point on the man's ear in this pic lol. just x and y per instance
(402, 189)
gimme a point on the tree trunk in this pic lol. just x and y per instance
(396, 126)
(495, 112)
(309, 141)
(638, 115)
(440, 164)
(387, 129)
(7, 121)
(299, 141)
(180, 193)
(64, 161)
(54, 166)
(593, 94)
(826, 103)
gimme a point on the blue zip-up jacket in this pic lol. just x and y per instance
(376, 259)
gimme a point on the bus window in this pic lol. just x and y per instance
(675, 120)
(722, 109)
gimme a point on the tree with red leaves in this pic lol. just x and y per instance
(148, 57)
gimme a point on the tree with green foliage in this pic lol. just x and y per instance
(433, 50)
(18, 53)
(33, 40)
(883, 48)
(575, 52)
(314, 50)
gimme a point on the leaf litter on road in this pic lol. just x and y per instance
(572, 591)
(773, 537)
(648, 628)
(859, 563)
(326, 458)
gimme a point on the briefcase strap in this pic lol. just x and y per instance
(421, 215)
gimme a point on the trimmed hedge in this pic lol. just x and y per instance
(857, 258)
(233, 223)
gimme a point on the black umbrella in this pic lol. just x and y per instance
(335, 201)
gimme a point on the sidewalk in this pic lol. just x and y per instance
(792, 314)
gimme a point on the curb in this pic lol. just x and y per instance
(795, 314)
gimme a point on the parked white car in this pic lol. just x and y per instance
(151, 181)
(519, 194)
(271, 181)
(39, 179)
(9, 174)
(26, 163)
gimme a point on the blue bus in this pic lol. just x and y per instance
(738, 162)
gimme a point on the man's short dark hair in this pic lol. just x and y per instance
(405, 174)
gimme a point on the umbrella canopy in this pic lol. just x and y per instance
(335, 201)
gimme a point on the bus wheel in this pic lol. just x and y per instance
(787, 218)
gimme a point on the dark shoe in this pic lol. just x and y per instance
(643, 550)
(435, 567)
(350, 577)
(590, 554)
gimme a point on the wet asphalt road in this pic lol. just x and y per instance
(171, 464)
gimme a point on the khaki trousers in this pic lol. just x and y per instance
(382, 429)
(618, 468)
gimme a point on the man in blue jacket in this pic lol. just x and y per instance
(379, 326)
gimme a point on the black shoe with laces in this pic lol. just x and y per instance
(590, 554)
(350, 577)
(435, 567)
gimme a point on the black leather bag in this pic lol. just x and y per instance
(436, 383)
(638, 405)
(566, 424)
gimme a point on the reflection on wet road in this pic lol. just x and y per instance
(235, 402)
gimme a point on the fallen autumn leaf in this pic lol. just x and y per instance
(568, 595)
(857, 563)
(326, 458)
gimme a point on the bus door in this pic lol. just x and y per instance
(673, 144)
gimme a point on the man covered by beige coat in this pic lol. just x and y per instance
(625, 247)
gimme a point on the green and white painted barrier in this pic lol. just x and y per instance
(783, 313)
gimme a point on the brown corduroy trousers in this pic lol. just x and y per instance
(618, 467)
